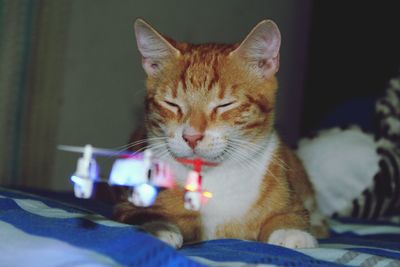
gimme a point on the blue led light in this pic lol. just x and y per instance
(147, 194)
(128, 172)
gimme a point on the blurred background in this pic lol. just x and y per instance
(70, 72)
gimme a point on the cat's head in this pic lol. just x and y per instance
(213, 101)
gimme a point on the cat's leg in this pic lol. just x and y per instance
(150, 222)
(167, 219)
(319, 225)
(165, 231)
(288, 230)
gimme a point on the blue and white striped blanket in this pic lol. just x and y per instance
(41, 232)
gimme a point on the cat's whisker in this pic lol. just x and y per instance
(248, 145)
(246, 164)
(256, 149)
(244, 148)
(137, 141)
(276, 158)
(236, 157)
(242, 159)
(246, 159)
(151, 146)
(235, 152)
(163, 154)
(145, 140)
(157, 148)
(121, 149)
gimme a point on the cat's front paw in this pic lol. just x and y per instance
(166, 232)
(170, 237)
(292, 238)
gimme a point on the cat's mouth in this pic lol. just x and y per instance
(211, 159)
(216, 154)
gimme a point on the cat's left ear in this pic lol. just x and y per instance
(260, 49)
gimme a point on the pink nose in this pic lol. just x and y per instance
(192, 140)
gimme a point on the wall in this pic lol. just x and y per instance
(104, 83)
(348, 70)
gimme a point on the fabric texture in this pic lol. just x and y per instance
(50, 233)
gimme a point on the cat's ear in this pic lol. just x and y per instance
(155, 49)
(260, 49)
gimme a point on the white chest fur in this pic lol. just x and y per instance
(235, 188)
(234, 185)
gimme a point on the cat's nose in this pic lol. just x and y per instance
(192, 139)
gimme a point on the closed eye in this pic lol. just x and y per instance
(172, 104)
(225, 104)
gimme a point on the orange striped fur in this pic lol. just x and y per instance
(223, 91)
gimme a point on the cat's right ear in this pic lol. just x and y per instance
(155, 49)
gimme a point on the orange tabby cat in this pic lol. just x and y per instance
(216, 101)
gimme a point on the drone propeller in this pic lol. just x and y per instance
(101, 151)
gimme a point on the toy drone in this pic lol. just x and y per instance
(142, 172)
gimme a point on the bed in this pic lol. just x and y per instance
(55, 229)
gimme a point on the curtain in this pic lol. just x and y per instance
(32, 51)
